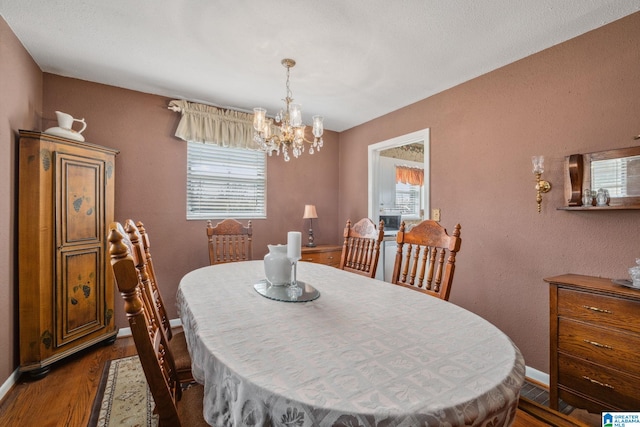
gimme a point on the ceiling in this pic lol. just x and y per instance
(356, 59)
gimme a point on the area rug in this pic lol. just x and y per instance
(123, 397)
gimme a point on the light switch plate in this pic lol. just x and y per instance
(435, 214)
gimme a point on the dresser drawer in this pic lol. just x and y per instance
(328, 258)
(604, 346)
(613, 388)
(329, 255)
(601, 309)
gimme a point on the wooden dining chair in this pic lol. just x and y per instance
(174, 406)
(361, 247)
(229, 241)
(421, 255)
(141, 252)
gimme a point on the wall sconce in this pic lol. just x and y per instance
(542, 186)
(310, 214)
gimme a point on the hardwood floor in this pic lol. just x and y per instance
(531, 413)
(65, 396)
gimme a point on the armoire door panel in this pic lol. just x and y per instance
(79, 194)
(79, 291)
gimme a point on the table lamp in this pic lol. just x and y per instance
(310, 214)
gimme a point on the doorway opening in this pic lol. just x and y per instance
(379, 174)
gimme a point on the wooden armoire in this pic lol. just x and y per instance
(66, 290)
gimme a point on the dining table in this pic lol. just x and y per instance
(358, 352)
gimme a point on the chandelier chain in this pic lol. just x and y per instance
(289, 94)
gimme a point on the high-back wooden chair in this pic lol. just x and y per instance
(141, 252)
(426, 256)
(361, 247)
(174, 406)
(229, 241)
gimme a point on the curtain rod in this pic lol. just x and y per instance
(240, 110)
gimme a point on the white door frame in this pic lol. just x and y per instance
(374, 164)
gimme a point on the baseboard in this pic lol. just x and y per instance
(9, 383)
(126, 332)
(538, 376)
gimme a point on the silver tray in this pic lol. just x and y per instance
(302, 293)
(626, 283)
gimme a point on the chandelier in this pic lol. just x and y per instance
(288, 134)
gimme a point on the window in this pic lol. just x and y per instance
(225, 182)
(409, 185)
(408, 200)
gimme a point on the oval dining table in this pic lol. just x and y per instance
(364, 353)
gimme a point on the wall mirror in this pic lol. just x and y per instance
(617, 171)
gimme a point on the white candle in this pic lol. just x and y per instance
(294, 246)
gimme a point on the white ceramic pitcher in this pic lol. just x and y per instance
(277, 266)
(65, 121)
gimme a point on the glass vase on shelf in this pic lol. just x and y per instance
(587, 197)
(634, 272)
(601, 197)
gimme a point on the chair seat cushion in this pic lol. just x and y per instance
(190, 408)
(178, 347)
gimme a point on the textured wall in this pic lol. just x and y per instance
(579, 96)
(20, 105)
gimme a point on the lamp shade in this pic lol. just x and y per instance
(309, 212)
(538, 164)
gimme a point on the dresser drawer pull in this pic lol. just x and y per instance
(597, 344)
(597, 382)
(599, 310)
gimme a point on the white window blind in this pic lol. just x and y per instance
(225, 182)
(619, 176)
(408, 199)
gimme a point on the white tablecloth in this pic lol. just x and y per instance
(366, 353)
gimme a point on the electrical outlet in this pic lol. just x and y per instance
(435, 214)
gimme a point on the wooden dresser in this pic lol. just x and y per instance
(595, 340)
(66, 292)
(323, 254)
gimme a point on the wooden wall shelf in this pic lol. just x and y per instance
(597, 208)
(577, 178)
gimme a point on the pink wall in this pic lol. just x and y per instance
(151, 173)
(579, 96)
(20, 105)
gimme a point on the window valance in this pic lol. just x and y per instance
(409, 175)
(205, 123)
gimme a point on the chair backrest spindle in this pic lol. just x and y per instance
(361, 247)
(422, 263)
(229, 241)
